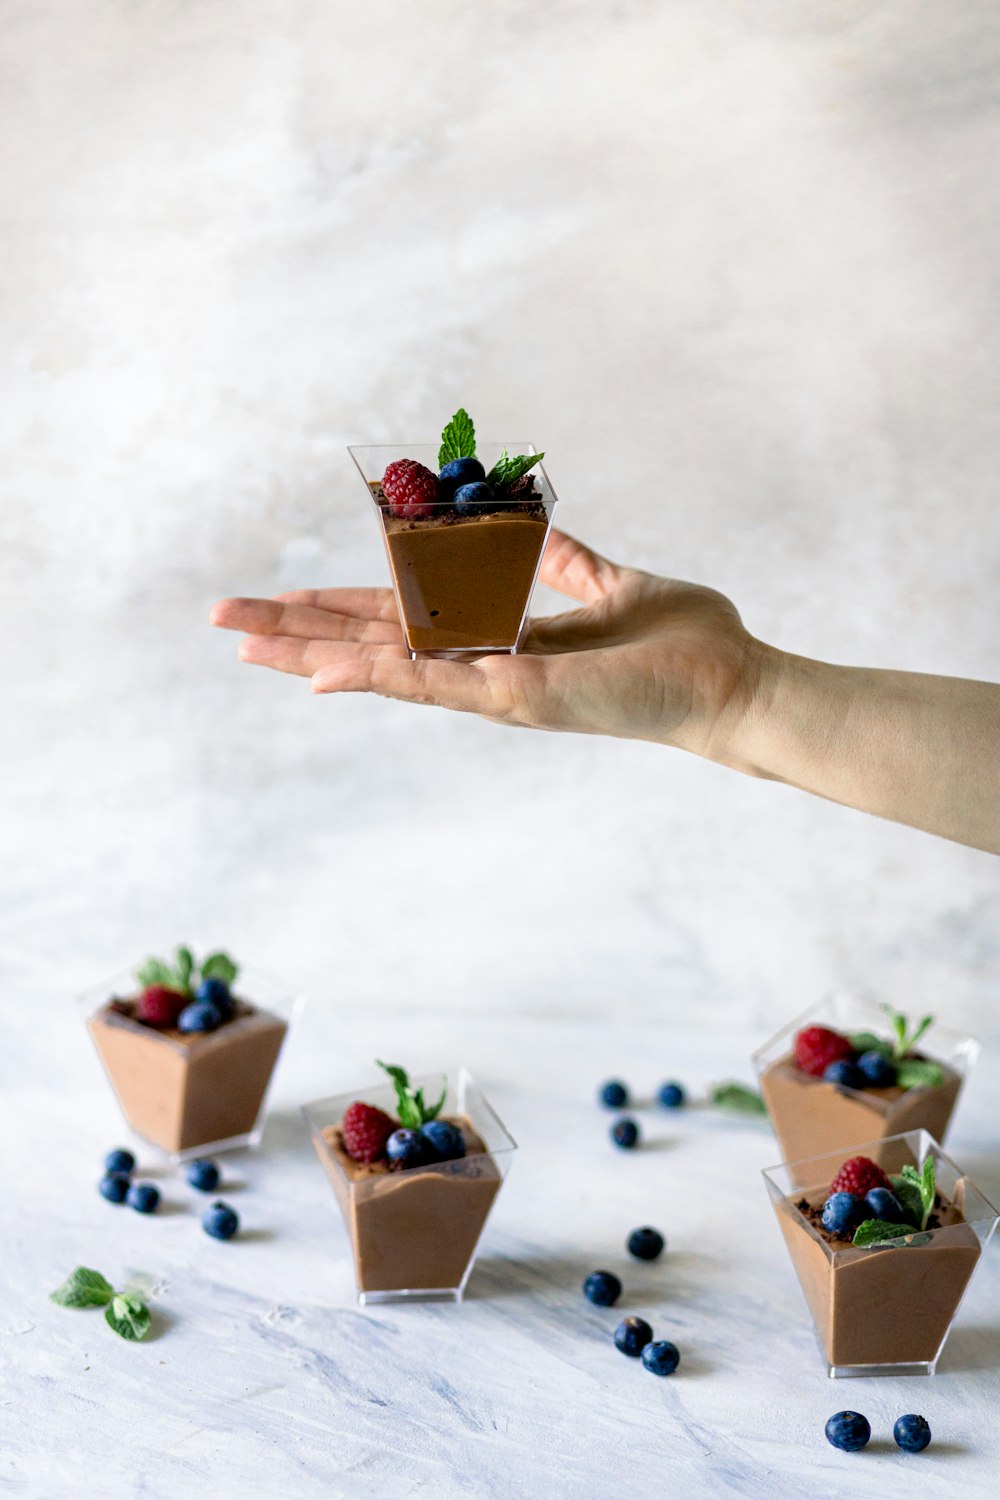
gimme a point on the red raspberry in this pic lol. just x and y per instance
(365, 1130)
(159, 1006)
(410, 489)
(817, 1047)
(859, 1176)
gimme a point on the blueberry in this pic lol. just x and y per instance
(671, 1095)
(143, 1197)
(613, 1094)
(408, 1148)
(846, 1075)
(884, 1205)
(216, 992)
(203, 1174)
(460, 471)
(444, 1141)
(602, 1288)
(473, 498)
(119, 1160)
(632, 1335)
(848, 1430)
(645, 1243)
(661, 1357)
(220, 1221)
(625, 1133)
(199, 1016)
(842, 1213)
(912, 1433)
(878, 1071)
(114, 1186)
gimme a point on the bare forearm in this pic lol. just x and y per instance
(916, 749)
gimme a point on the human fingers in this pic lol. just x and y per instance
(286, 653)
(573, 569)
(281, 617)
(390, 673)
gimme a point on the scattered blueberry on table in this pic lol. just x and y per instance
(645, 1243)
(632, 1335)
(220, 1221)
(202, 1174)
(848, 1430)
(671, 1095)
(119, 1160)
(661, 1357)
(613, 1094)
(625, 1133)
(912, 1433)
(143, 1197)
(602, 1288)
(114, 1186)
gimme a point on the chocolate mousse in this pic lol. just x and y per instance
(464, 542)
(885, 1306)
(415, 1196)
(189, 1073)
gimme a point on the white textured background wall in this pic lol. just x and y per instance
(732, 266)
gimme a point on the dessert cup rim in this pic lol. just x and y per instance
(811, 1013)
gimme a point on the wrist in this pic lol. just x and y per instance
(753, 726)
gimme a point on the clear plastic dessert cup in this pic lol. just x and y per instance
(415, 1233)
(810, 1116)
(462, 582)
(888, 1309)
(190, 1095)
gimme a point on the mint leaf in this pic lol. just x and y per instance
(910, 1197)
(129, 1316)
(877, 1231)
(915, 1073)
(867, 1041)
(83, 1288)
(737, 1096)
(507, 469)
(458, 439)
(184, 959)
(925, 1024)
(155, 971)
(410, 1106)
(922, 1183)
(219, 966)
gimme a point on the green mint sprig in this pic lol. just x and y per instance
(411, 1106)
(458, 439)
(915, 1191)
(878, 1231)
(184, 974)
(124, 1312)
(911, 1072)
(737, 1096)
(507, 469)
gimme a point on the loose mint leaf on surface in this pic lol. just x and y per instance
(877, 1231)
(867, 1041)
(738, 1096)
(219, 966)
(129, 1316)
(910, 1197)
(184, 960)
(83, 1288)
(915, 1073)
(507, 469)
(458, 439)
(155, 971)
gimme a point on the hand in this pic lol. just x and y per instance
(642, 658)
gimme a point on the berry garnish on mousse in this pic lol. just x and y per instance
(366, 1131)
(858, 1176)
(462, 487)
(185, 995)
(416, 1138)
(865, 1060)
(816, 1047)
(867, 1208)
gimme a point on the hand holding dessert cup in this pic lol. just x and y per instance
(849, 1070)
(189, 1056)
(415, 1168)
(884, 1244)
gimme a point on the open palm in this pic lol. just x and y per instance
(641, 658)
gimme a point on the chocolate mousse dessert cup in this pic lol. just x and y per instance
(848, 1070)
(883, 1295)
(414, 1215)
(463, 556)
(191, 1067)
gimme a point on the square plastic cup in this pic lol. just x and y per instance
(193, 1095)
(886, 1310)
(415, 1233)
(810, 1116)
(463, 583)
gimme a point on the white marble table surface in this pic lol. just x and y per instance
(264, 1378)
